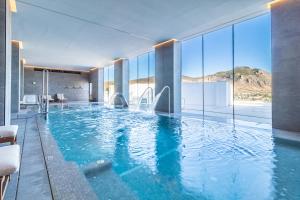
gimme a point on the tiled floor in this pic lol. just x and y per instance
(44, 174)
(32, 180)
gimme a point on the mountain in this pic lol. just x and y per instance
(250, 84)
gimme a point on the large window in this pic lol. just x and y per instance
(111, 81)
(218, 73)
(109, 88)
(227, 73)
(141, 77)
(143, 73)
(192, 75)
(133, 79)
(252, 87)
(152, 70)
(106, 85)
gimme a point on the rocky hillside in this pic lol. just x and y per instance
(251, 84)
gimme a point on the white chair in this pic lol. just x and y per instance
(30, 100)
(8, 134)
(61, 97)
(9, 164)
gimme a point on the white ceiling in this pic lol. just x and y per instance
(80, 34)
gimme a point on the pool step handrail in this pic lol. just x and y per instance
(121, 97)
(43, 103)
(141, 97)
(158, 96)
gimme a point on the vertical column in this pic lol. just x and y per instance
(5, 62)
(168, 73)
(121, 77)
(15, 77)
(286, 65)
(97, 80)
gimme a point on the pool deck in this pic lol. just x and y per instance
(44, 174)
(32, 180)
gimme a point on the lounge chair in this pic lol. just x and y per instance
(29, 100)
(50, 99)
(61, 97)
(9, 164)
(8, 134)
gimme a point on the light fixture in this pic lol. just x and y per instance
(13, 6)
(94, 68)
(272, 3)
(117, 59)
(20, 43)
(165, 42)
(23, 61)
(53, 68)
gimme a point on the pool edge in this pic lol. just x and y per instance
(66, 180)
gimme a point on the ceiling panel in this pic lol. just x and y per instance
(83, 34)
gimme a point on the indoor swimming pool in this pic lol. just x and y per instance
(159, 157)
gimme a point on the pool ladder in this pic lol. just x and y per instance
(123, 101)
(155, 100)
(146, 91)
(158, 96)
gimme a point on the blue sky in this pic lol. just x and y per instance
(252, 40)
(252, 48)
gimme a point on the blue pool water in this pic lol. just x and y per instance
(157, 157)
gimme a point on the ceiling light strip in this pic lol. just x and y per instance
(13, 6)
(20, 43)
(273, 2)
(50, 68)
(165, 42)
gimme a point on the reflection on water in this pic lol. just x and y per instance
(157, 157)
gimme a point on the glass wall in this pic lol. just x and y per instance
(252, 88)
(152, 70)
(192, 75)
(229, 72)
(218, 74)
(106, 85)
(111, 81)
(109, 88)
(141, 75)
(133, 79)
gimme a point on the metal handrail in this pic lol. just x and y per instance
(122, 99)
(146, 90)
(159, 95)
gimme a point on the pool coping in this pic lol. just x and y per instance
(66, 179)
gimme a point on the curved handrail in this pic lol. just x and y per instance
(146, 90)
(112, 99)
(157, 98)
